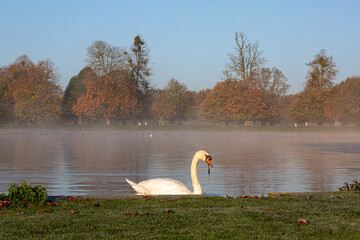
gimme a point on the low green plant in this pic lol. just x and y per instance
(25, 194)
(355, 186)
(2, 196)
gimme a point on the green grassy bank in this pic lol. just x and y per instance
(328, 216)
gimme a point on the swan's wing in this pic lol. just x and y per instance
(162, 186)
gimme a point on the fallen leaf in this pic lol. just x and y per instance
(5, 203)
(341, 197)
(74, 212)
(227, 196)
(169, 211)
(30, 205)
(87, 202)
(2, 212)
(147, 198)
(137, 214)
(52, 204)
(302, 222)
(20, 213)
(72, 198)
(271, 209)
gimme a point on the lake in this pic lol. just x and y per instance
(96, 163)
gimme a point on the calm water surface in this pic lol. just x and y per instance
(97, 162)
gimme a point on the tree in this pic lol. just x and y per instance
(348, 101)
(74, 90)
(104, 58)
(199, 98)
(246, 60)
(322, 72)
(309, 106)
(107, 97)
(234, 100)
(311, 103)
(34, 90)
(179, 95)
(138, 61)
(162, 108)
(6, 100)
(214, 107)
(333, 108)
(246, 103)
(272, 84)
(173, 103)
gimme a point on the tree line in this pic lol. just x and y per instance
(115, 86)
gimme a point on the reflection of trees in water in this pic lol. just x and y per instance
(96, 162)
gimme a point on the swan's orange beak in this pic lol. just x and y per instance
(208, 160)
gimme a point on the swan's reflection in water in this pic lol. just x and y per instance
(97, 162)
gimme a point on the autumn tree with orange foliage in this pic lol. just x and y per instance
(162, 108)
(175, 102)
(234, 100)
(344, 102)
(350, 99)
(310, 104)
(33, 89)
(107, 97)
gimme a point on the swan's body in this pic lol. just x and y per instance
(166, 186)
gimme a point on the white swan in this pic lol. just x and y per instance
(166, 186)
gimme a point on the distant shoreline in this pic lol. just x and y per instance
(185, 128)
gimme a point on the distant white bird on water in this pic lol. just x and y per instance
(166, 186)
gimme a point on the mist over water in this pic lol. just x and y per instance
(96, 163)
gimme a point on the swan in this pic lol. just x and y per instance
(166, 186)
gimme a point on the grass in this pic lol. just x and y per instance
(328, 215)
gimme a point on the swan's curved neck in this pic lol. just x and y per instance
(194, 177)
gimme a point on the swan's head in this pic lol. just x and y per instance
(203, 155)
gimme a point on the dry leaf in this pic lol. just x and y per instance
(74, 212)
(302, 222)
(169, 211)
(20, 213)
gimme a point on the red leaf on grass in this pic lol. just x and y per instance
(87, 202)
(2, 212)
(302, 222)
(5, 203)
(20, 213)
(74, 212)
(271, 209)
(137, 214)
(72, 198)
(52, 204)
(227, 196)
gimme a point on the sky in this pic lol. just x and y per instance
(188, 40)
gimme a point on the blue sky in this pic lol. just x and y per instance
(188, 40)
